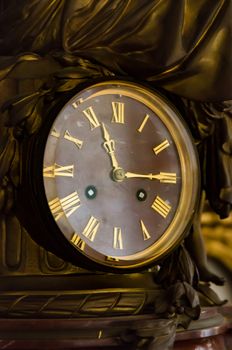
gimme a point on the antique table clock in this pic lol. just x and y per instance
(104, 173)
(112, 179)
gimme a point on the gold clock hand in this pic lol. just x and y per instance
(162, 177)
(150, 176)
(109, 146)
(118, 173)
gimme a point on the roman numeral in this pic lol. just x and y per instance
(140, 129)
(78, 242)
(161, 207)
(77, 103)
(69, 137)
(161, 147)
(117, 243)
(67, 205)
(58, 170)
(168, 178)
(110, 258)
(55, 133)
(91, 116)
(118, 112)
(91, 228)
(145, 232)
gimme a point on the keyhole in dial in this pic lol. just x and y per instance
(141, 195)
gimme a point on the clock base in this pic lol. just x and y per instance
(130, 332)
(122, 332)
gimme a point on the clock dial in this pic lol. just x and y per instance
(120, 175)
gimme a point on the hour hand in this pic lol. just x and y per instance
(109, 146)
(162, 177)
(106, 135)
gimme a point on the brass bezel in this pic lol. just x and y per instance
(189, 170)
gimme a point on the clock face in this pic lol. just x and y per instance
(120, 175)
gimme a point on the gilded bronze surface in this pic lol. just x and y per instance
(48, 48)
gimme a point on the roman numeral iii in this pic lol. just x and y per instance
(168, 178)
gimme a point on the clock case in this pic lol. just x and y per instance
(32, 208)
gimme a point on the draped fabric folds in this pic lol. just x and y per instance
(183, 47)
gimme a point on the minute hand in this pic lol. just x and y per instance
(162, 177)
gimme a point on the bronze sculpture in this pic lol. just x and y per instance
(184, 49)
